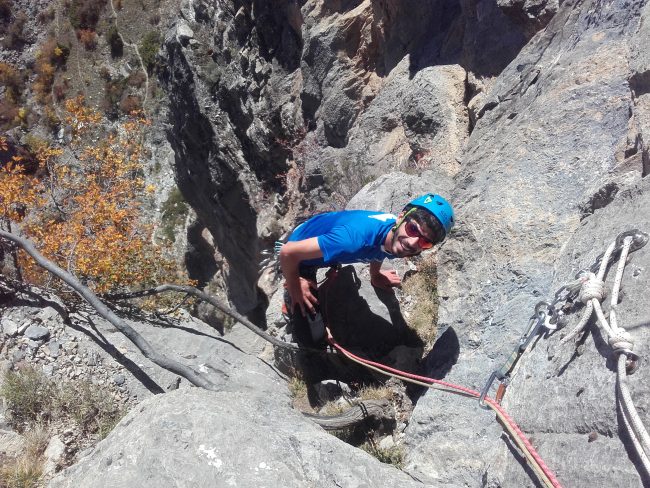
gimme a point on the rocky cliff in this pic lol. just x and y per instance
(532, 116)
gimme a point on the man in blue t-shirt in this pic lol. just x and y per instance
(353, 236)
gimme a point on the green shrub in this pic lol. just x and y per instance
(84, 14)
(149, 49)
(174, 211)
(115, 41)
(5, 9)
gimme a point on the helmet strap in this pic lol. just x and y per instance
(401, 221)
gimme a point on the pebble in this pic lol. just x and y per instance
(54, 349)
(9, 327)
(119, 379)
(37, 333)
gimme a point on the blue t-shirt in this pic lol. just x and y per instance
(350, 236)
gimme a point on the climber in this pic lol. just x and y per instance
(353, 236)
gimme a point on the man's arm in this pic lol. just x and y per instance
(383, 279)
(291, 255)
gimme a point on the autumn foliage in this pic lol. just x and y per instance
(84, 211)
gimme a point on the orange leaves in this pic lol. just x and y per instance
(80, 118)
(17, 189)
(85, 212)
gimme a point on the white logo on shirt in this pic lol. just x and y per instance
(383, 217)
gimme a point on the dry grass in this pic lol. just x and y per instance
(34, 400)
(393, 455)
(423, 313)
(24, 472)
(375, 393)
(334, 407)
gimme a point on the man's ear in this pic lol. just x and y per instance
(398, 221)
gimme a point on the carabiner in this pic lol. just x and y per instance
(486, 388)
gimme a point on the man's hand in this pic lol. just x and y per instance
(300, 289)
(302, 296)
(385, 279)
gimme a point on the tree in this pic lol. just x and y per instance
(84, 211)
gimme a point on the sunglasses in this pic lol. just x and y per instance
(412, 230)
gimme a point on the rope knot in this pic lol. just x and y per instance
(621, 341)
(592, 287)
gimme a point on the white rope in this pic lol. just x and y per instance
(586, 315)
(592, 290)
(591, 294)
(636, 430)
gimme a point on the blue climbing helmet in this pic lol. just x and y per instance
(439, 207)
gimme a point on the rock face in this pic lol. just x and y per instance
(533, 117)
(212, 439)
(551, 174)
(276, 110)
(246, 434)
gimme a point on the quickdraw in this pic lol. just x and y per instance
(551, 316)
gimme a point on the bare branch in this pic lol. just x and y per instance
(380, 410)
(190, 290)
(149, 352)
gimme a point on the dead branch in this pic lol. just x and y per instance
(186, 372)
(379, 410)
(190, 290)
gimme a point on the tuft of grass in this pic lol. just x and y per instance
(92, 409)
(333, 408)
(393, 455)
(24, 472)
(298, 387)
(375, 393)
(33, 400)
(29, 397)
(423, 318)
(37, 439)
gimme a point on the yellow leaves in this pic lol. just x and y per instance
(80, 118)
(17, 191)
(84, 214)
(58, 52)
(150, 188)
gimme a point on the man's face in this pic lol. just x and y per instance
(410, 238)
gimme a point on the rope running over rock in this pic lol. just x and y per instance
(591, 294)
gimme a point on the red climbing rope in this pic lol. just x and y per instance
(518, 436)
